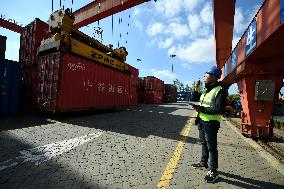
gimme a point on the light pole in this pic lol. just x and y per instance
(172, 56)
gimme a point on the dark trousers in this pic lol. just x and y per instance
(208, 138)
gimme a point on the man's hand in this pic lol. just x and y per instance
(198, 108)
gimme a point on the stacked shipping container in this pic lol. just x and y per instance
(31, 37)
(170, 93)
(9, 87)
(153, 90)
(2, 46)
(140, 90)
(62, 82)
(133, 85)
(70, 83)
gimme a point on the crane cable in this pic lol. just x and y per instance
(99, 14)
(120, 22)
(112, 18)
(127, 28)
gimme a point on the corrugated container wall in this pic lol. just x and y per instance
(70, 83)
(29, 82)
(31, 37)
(9, 87)
(2, 46)
(153, 84)
(153, 90)
(133, 85)
(170, 93)
(140, 90)
(153, 97)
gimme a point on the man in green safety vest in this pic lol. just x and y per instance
(211, 107)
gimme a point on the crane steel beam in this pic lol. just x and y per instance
(256, 63)
(10, 26)
(100, 9)
(224, 12)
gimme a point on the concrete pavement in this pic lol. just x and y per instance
(143, 147)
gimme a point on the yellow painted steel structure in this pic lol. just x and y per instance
(82, 49)
(69, 39)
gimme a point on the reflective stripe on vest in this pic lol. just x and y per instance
(208, 100)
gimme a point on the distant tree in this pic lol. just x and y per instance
(187, 88)
(177, 84)
(181, 87)
(234, 97)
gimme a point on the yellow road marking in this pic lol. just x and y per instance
(168, 173)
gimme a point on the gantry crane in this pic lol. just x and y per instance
(255, 64)
(63, 25)
(88, 14)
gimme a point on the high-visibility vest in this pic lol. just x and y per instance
(208, 100)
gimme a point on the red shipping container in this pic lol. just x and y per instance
(153, 84)
(69, 83)
(30, 40)
(133, 85)
(140, 84)
(153, 97)
(140, 90)
(29, 88)
(170, 93)
(140, 97)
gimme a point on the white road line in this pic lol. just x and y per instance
(44, 153)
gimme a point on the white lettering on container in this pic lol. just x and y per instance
(101, 87)
(119, 89)
(75, 67)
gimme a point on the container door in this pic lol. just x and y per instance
(4, 101)
(14, 88)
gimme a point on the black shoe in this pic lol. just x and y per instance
(200, 165)
(211, 176)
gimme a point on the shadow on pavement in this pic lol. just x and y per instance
(27, 175)
(244, 182)
(166, 121)
(234, 146)
(142, 121)
(22, 121)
